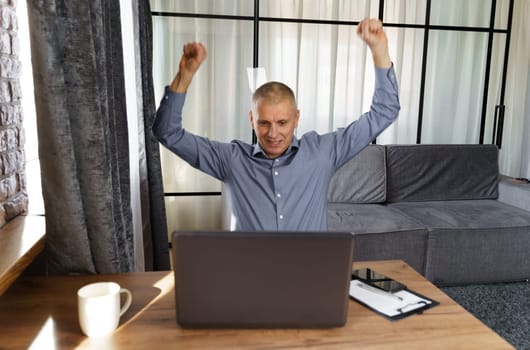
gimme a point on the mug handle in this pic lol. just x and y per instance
(128, 301)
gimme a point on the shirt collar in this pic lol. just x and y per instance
(256, 148)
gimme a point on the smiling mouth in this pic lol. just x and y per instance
(274, 143)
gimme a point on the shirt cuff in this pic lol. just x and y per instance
(385, 76)
(168, 93)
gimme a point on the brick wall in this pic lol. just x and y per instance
(13, 194)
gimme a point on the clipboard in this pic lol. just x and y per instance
(393, 306)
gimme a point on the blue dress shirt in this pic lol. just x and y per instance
(288, 193)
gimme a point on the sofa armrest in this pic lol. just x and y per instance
(514, 192)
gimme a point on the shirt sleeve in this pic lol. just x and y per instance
(211, 157)
(384, 110)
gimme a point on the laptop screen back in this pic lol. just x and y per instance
(262, 279)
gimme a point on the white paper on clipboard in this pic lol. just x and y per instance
(392, 305)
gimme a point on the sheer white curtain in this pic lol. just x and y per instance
(325, 65)
(330, 69)
(217, 102)
(406, 50)
(455, 73)
(515, 151)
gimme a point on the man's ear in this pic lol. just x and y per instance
(297, 117)
(251, 117)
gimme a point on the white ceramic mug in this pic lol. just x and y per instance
(98, 306)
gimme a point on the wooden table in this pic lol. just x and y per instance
(42, 312)
(21, 241)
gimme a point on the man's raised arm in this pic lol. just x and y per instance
(167, 127)
(372, 33)
(193, 54)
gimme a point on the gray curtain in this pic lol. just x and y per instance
(83, 143)
(155, 236)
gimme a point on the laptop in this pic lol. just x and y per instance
(262, 279)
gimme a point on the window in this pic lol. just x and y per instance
(450, 58)
(33, 179)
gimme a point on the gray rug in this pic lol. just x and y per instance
(504, 307)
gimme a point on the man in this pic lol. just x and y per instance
(280, 183)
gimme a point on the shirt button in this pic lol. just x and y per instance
(166, 97)
(281, 217)
(276, 160)
(278, 195)
(276, 173)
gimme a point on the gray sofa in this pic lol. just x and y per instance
(436, 207)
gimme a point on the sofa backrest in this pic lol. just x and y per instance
(362, 179)
(441, 172)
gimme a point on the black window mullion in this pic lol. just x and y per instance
(381, 10)
(190, 194)
(423, 69)
(381, 16)
(256, 34)
(201, 15)
(487, 72)
(255, 57)
(500, 107)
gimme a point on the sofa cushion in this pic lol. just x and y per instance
(362, 179)
(380, 233)
(474, 241)
(441, 172)
(514, 192)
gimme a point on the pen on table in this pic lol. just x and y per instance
(377, 290)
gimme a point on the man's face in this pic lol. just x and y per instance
(274, 125)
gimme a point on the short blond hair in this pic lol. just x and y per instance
(273, 92)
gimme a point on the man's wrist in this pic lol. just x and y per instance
(181, 82)
(380, 56)
(382, 61)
